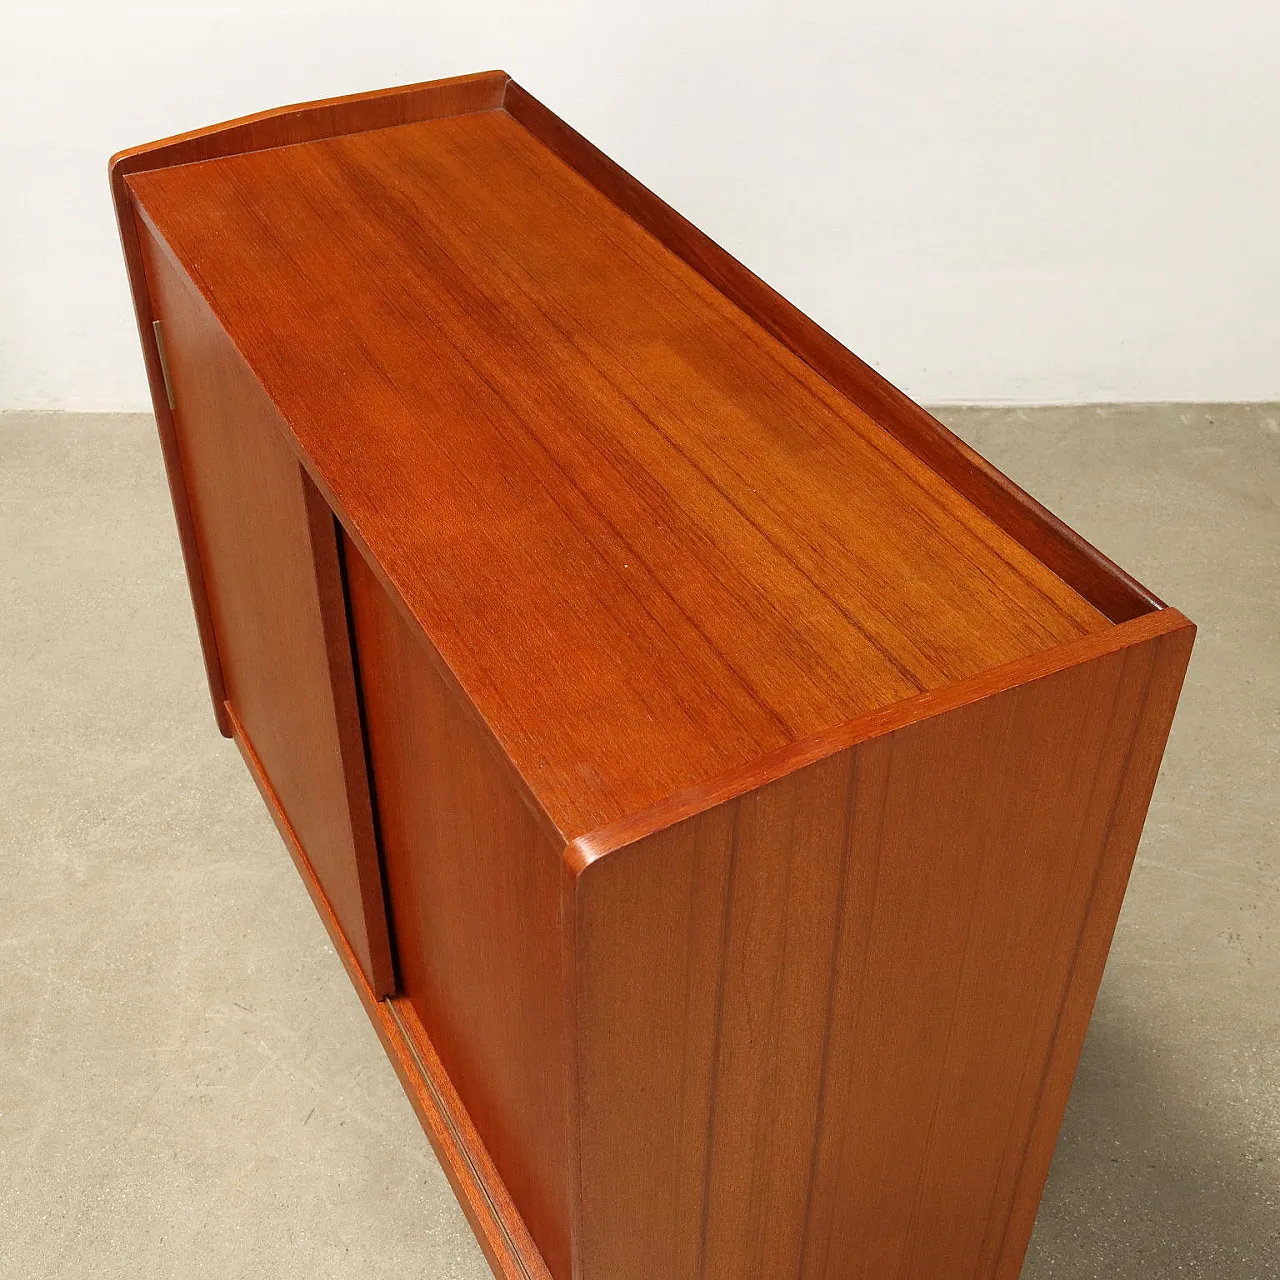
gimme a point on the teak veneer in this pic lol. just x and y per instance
(719, 782)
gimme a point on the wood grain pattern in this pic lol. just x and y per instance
(498, 1226)
(625, 478)
(1098, 579)
(825, 1030)
(475, 892)
(280, 627)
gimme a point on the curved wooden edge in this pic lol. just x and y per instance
(492, 1214)
(1084, 568)
(323, 118)
(581, 852)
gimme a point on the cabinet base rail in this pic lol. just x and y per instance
(497, 1223)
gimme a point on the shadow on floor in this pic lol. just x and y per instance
(1152, 1177)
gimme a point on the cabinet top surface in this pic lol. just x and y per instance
(651, 544)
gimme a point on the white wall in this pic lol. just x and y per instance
(1045, 200)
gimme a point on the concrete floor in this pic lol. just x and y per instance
(189, 1087)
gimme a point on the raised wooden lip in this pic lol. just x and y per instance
(313, 121)
(582, 851)
(1078, 563)
(1081, 565)
(1085, 569)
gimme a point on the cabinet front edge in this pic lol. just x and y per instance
(582, 851)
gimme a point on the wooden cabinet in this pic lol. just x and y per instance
(719, 782)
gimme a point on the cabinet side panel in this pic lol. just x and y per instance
(1161, 664)
(821, 1031)
(282, 641)
(982, 833)
(475, 892)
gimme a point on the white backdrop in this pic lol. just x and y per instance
(990, 200)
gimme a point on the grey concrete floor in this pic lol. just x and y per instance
(188, 1085)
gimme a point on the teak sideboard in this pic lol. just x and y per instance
(719, 782)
